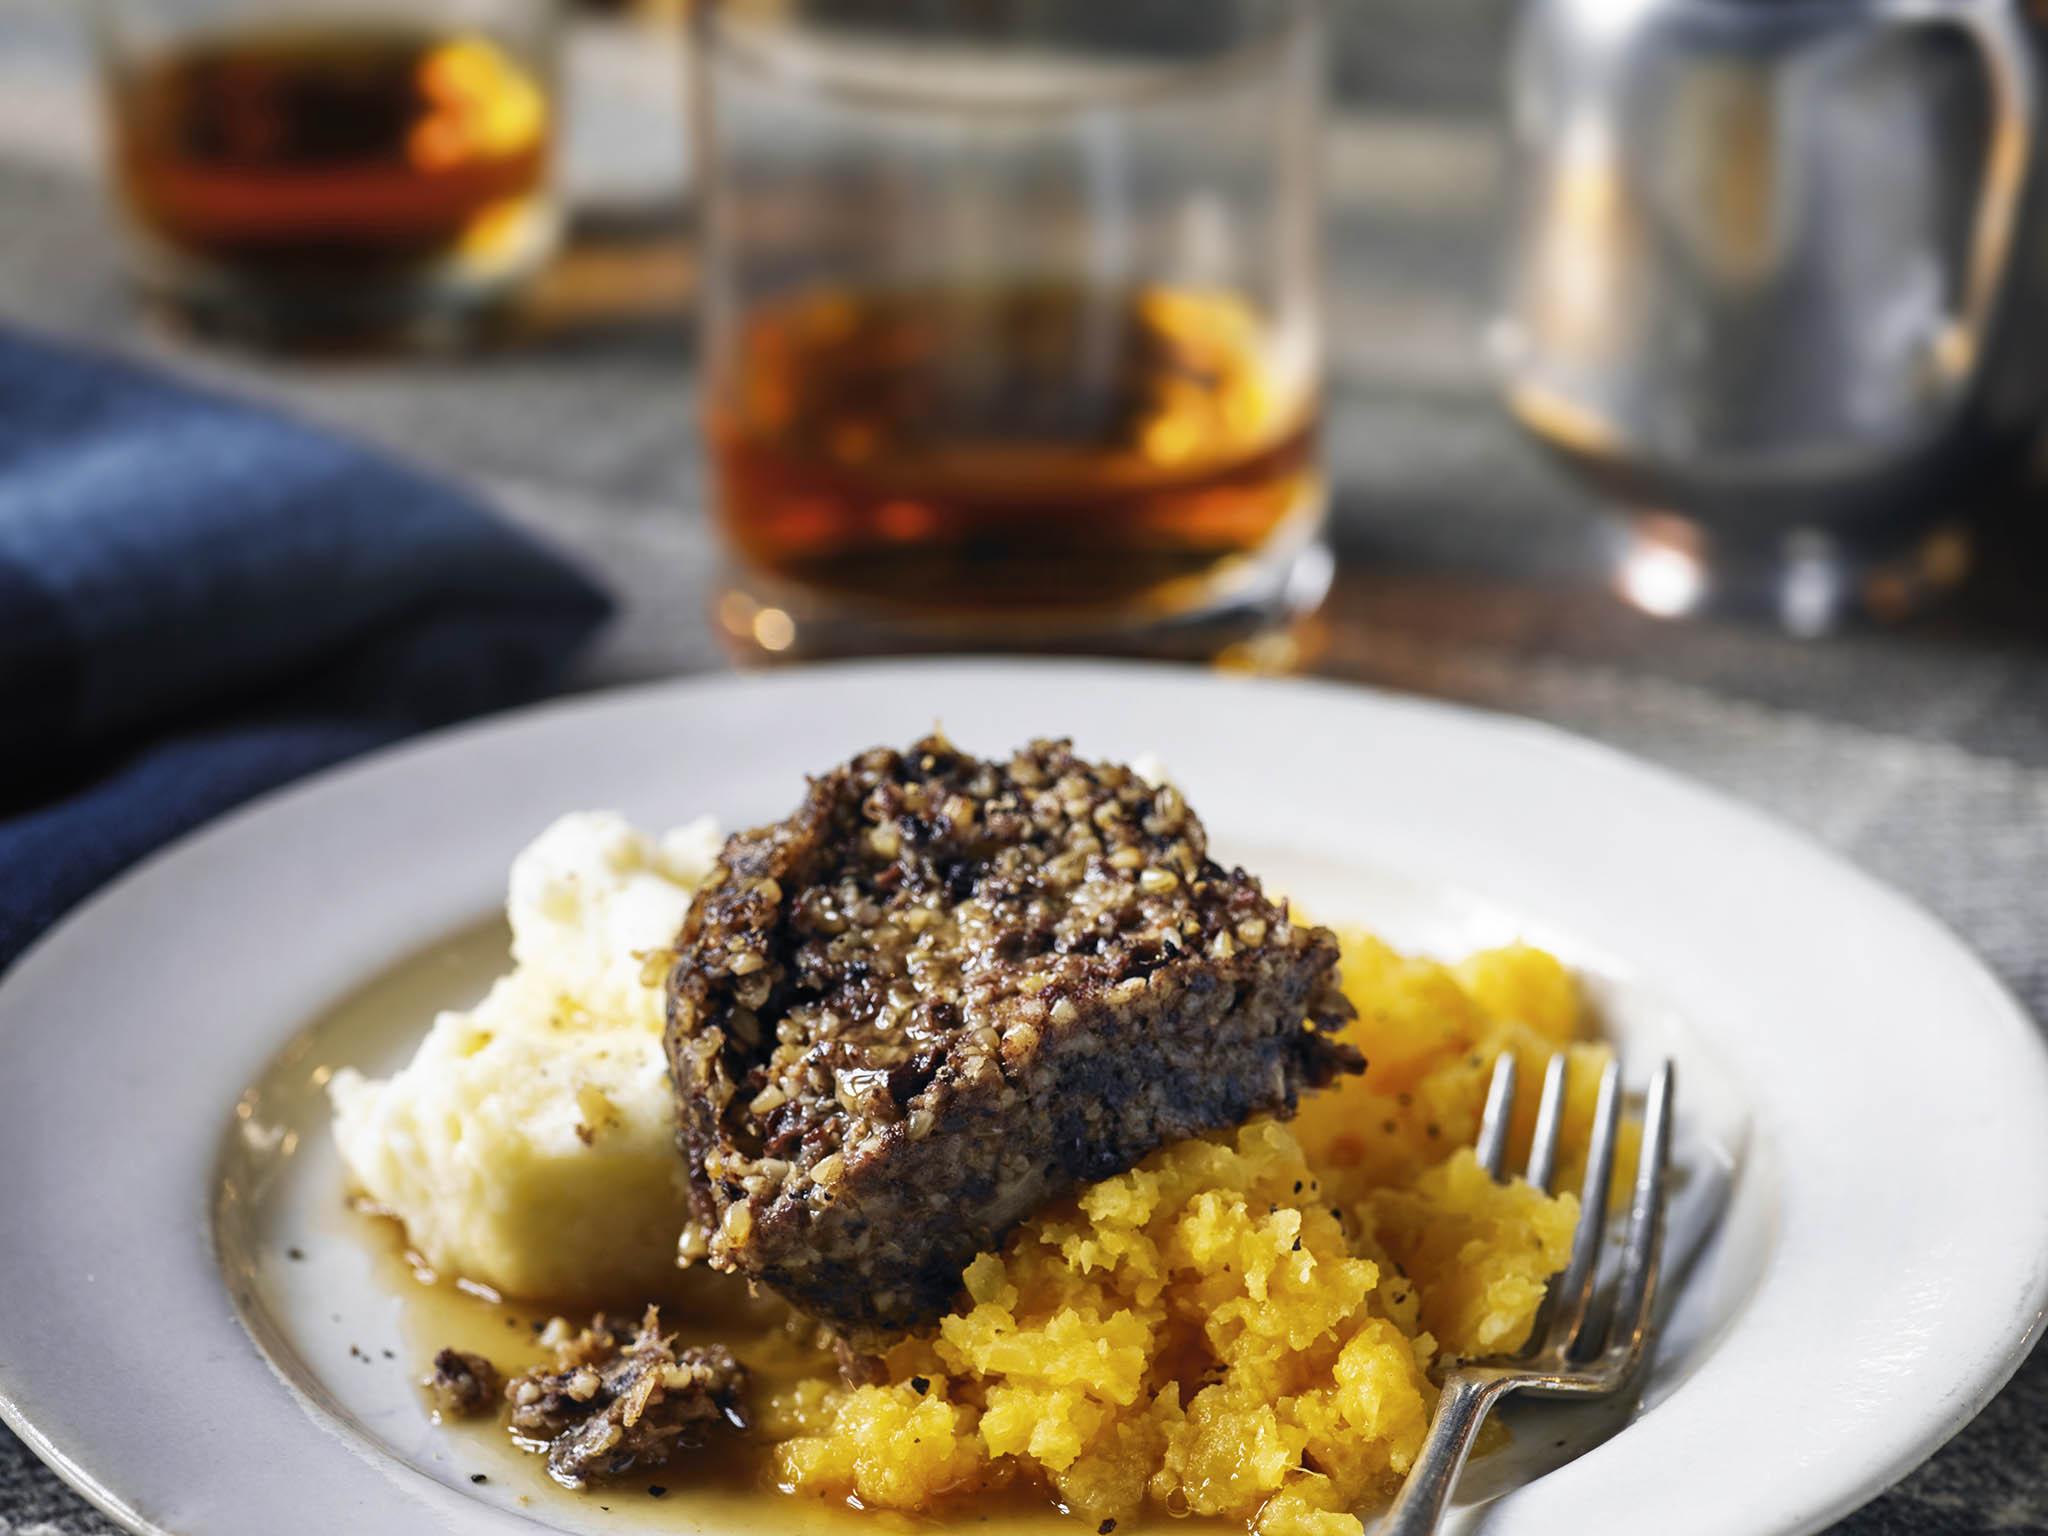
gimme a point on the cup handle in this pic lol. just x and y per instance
(2000, 38)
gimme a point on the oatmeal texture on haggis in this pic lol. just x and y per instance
(947, 990)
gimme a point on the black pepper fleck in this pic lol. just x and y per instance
(656, 1491)
(920, 1385)
(295, 1254)
(478, 1477)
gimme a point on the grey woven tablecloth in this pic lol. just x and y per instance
(1468, 566)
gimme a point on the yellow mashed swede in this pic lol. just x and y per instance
(1244, 1324)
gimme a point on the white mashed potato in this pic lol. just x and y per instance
(530, 1144)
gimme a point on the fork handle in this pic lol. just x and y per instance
(1466, 1400)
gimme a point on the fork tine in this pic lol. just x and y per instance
(1500, 1112)
(1574, 1288)
(1635, 1292)
(1549, 1124)
(1543, 1147)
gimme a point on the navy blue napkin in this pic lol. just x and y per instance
(200, 600)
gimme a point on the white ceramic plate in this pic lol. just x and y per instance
(1862, 1105)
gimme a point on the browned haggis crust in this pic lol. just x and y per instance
(620, 1399)
(946, 990)
(463, 1385)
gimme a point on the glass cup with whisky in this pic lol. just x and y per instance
(1010, 322)
(293, 169)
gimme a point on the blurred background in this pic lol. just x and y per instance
(1891, 696)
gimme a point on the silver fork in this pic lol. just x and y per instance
(1566, 1355)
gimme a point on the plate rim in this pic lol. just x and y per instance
(1958, 1406)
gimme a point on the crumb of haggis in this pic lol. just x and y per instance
(463, 1385)
(616, 1399)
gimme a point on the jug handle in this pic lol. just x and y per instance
(2001, 41)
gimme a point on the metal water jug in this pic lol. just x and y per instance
(1773, 284)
